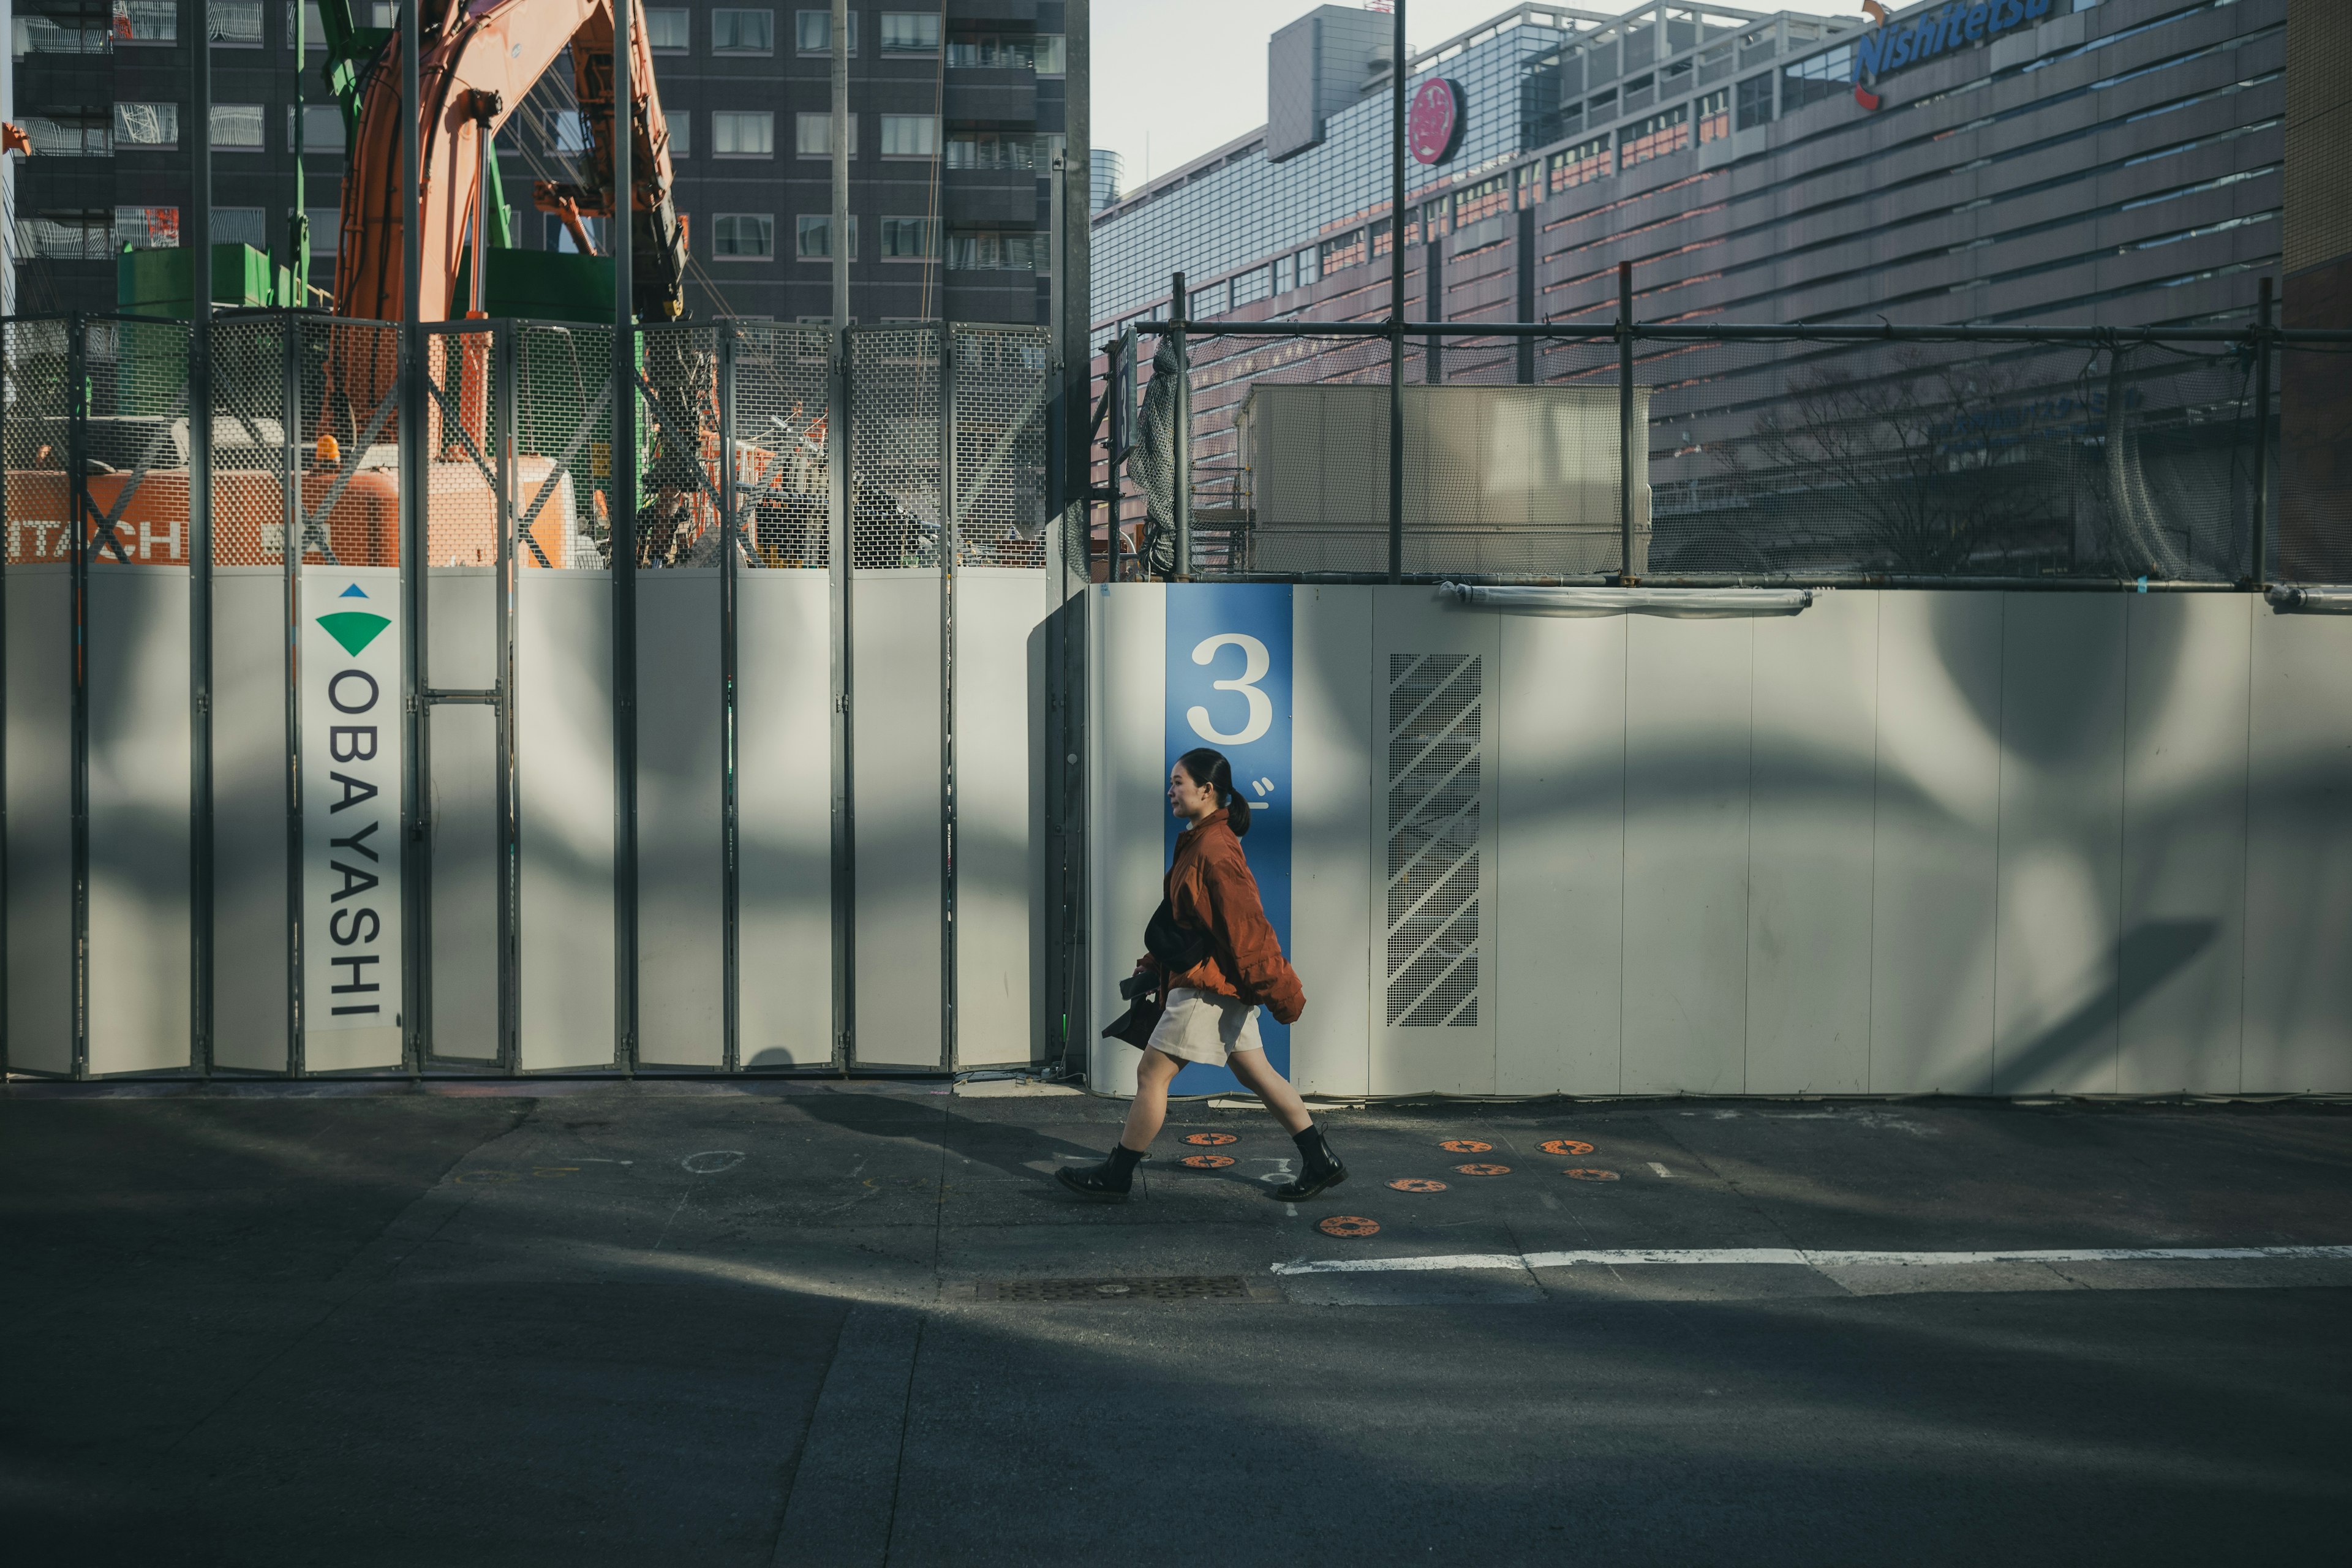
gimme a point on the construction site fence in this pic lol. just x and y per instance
(2209, 456)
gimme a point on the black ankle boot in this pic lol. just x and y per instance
(1109, 1182)
(1319, 1169)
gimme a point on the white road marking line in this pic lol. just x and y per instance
(1795, 1258)
(1661, 1170)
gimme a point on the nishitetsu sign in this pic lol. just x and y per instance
(1889, 46)
(1432, 128)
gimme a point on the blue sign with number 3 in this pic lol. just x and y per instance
(1229, 682)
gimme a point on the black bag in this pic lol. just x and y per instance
(1176, 948)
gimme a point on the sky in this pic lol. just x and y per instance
(1173, 78)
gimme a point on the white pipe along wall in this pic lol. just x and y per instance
(1891, 843)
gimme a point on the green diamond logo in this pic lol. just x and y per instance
(353, 628)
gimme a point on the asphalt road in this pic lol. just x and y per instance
(652, 1324)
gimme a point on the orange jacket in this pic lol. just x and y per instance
(1209, 889)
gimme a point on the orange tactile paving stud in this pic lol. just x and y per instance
(1211, 1139)
(1465, 1146)
(1347, 1225)
(1565, 1146)
(1589, 1173)
(1417, 1184)
(1205, 1162)
(1483, 1170)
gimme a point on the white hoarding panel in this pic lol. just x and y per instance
(1330, 881)
(1936, 831)
(40, 818)
(352, 728)
(1560, 854)
(1000, 794)
(139, 992)
(2182, 961)
(895, 737)
(784, 806)
(1808, 871)
(681, 868)
(1126, 781)
(461, 815)
(564, 743)
(251, 927)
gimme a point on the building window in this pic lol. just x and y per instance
(1715, 115)
(991, 251)
(990, 52)
(1755, 103)
(1213, 300)
(59, 36)
(83, 136)
(1433, 220)
(241, 225)
(236, 127)
(813, 31)
(1530, 184)
(147, 21)
(147, 228)
(1286, 274)
(146, 125)
(743, 236)
(1483, 200)
(1053, 55)
(68, 235)
(813, 237)
(743, 32)
(314, 31)
(1251, 287)
(1824, 75)
(910, 239)
(1668, 131)
(681, 135)
(670, 32)
(743, 133)
(236, 23)
(1580, 164)
(326, 230)
(990, 150)
(910, 136)
(1345, 250)
(910, 32)
(813, 135)
(1310, 266)
(558, 235)
(322, 128)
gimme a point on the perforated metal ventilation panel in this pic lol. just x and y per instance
(1436, 728)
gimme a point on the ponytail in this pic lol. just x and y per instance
(1204, 766)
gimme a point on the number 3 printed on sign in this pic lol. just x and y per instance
(1256, 661)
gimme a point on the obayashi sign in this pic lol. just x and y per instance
(1889, 48)
(350, 712)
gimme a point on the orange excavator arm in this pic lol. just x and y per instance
(480, 59)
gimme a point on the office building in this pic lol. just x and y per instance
(957, 113)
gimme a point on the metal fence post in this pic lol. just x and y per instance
(843, 861)
(291, 541)
(1400, 64)
(1180, 500)
(79, 509)
(501, 420)
(948, 548)
(1625, 422)
(730, 871)
(200, 689)
(2261, 520)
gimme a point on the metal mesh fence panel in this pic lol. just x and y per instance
(2312, 513)
(34, 404)
(346, 426)
(563, 444)
(893, 447)
(136, 442)
(782, 388)
(677, 427)
(1003, 384)
(463, 516)
(249, 439)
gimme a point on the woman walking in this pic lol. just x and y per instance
(1211, 1014)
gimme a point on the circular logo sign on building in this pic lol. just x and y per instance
(1433, 128)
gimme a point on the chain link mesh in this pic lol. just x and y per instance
(893, 447)
(462, 515)
(563, 444)
(136, 436)
(1003, 385)
(249, 436)
(346, 427)
(33, 420)
(678, 431)
(784, 489)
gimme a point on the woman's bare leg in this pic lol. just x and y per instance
(1273, 1091)
(1148, 1109)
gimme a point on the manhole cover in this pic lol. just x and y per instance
(1166, 1288)
(1589, 1173)
(1209, 1139)
(1205, 1162)
(1483, 1170)
(1349, 1224)
(1565, 1146)
(1418, 1184)
(1465, 1146)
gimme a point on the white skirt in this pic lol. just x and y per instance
(1202, 1026)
